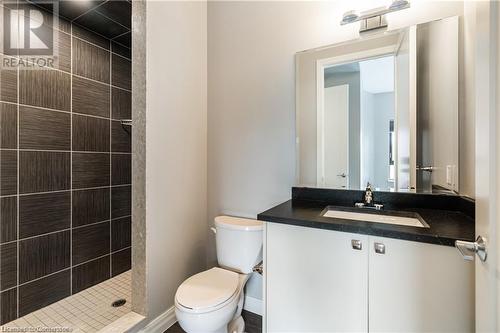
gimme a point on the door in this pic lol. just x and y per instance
(334, 148)
(314, 280)
(418, 287)
(487, 108)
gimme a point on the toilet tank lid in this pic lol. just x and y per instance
(238, 223)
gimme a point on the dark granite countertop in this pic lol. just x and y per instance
(445, 225)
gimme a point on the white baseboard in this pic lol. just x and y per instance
(162, 322)
(253, 304)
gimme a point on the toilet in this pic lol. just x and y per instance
(212, 301)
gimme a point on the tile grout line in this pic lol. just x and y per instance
(87, 11)
(64, 111)
(62, 191)
(71, 167)
(18, 182)
(66, 190)
(76, 75)
(63, 152)
(110, 163)
(68, 229)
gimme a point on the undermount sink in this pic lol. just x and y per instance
(400, 218)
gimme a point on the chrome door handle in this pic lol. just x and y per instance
(379, 248)
(425, 168)
(356, 244)
(343, 175)
(468, 249)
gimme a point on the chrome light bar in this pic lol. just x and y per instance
(373, 18)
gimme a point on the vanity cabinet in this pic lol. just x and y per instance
(419, 287)
(315, 281)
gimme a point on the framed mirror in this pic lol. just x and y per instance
(382, 110)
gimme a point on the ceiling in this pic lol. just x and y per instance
(109, 18)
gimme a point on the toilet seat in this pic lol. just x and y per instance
(208, 291)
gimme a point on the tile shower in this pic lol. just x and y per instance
(65, 173)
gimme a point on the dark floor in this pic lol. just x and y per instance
(253, 324)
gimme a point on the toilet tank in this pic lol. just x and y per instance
(239, 243)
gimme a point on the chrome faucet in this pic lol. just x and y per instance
(368, 199)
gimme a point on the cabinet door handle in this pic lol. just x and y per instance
(379, 248)
(356, 244)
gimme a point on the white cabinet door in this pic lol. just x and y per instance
(315, 280)
(418, 287)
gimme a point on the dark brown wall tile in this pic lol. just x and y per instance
(121, 50)
(124, 39)
(89, 36)
(90, 97)
(121, 69)
(43, 171)
(8, 219)
(121, 262)
(8, 265)
(8, 306)
(90, 170)
(121, 103)
(90, 206)
(121, 138)
(90, 242)
(90, 61)
(90, 134)
(43, 255)
(64, 49)
(121, 230)
(43, 129)
(43, 292)
(8, 80)
(8, 126)
(45, 88)
(120, 12)
(8, 176)
(43, 213)
(121, 169)
(91, 273)
(121, 201)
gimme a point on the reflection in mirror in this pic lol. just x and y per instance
(357, 124)
(376, 110)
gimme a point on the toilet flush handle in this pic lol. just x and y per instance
(213, 229)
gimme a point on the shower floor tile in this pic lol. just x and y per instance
(85, 312)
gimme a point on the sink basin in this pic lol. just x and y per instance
(400, 218)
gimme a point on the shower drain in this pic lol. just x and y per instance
(119, 302)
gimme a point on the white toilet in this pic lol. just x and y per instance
(212, 301)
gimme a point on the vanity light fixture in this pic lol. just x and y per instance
(349, 17)
(373, 18)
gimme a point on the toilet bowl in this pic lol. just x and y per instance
(212, 301)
